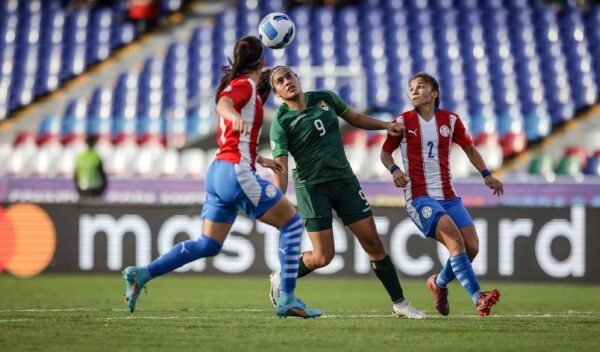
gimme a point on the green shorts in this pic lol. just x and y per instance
(344, 196)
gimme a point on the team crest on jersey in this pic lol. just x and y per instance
(273, 145)
(271, 191)
(228, 88)
(426, 212)
(444, 130)
(323, 105)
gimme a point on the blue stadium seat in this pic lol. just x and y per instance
(593, 167)
(272, 6)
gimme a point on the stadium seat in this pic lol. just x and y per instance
(45, 159)
(17, 162)
(569, 166)
(513, 143)
(460, 164)
(65, 165)
(144, 161)
(168, 164)
(593, 167)
(541, 164)
(578, 152)
(193, 163)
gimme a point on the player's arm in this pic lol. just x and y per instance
(462, 138)
(226, 109)
(399, 177)
(281, 179)
(390, 144)
(477, 160)
(361, 120)
(274, 165)
(366, 122)
(279, 148)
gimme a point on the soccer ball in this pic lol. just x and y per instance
(276, 30)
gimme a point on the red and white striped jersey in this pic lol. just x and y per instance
(234, 146)
(426, 152)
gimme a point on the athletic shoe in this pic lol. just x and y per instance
(135, 279)
(440, 296)
(296, 308)
(486, 300)
(404, 309)
(275, 287)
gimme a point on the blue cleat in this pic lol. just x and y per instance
(135, 279)
(294, 307)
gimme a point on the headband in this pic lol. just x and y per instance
(273, 73)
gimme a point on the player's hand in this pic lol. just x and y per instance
(239, 125)
(494, 184)
(274, 165)
(395, 129)
(400, 178)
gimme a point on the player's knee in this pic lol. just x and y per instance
(373, 246)
(208, 246)
(472, 250)
(322, 259)
(454, 242)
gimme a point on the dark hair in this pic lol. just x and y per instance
(91, 140)
(264, 87)
(247, 56)
(431, 81)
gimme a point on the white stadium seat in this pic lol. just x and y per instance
(193, 163)
(168, 165)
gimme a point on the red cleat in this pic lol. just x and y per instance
(486, 300)
(440, 296)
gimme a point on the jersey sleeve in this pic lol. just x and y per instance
(239, 91)
(392, 143)
(341, 108)
(460, 135)
(279, 141)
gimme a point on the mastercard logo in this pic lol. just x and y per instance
(27, 240)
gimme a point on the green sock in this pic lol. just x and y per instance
(386, 273)
(302, 269)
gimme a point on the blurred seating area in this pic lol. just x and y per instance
(44, 43)
(574, 162)
(513, 70)
(32, 156)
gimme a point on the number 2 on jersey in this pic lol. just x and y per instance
(319, 125)
(430, 144)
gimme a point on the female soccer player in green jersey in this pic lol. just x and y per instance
(306, 125)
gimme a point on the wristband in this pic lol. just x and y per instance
(394, 168)
(485, 173)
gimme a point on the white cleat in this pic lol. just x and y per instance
(404, 309)
(275, 287)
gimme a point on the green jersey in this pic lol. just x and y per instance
(88, 170)
(313, 138)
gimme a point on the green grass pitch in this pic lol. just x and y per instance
(200, 313)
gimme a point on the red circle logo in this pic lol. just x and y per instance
(27, 240)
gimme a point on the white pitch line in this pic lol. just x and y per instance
(12, 320)
(527, 315)
(37, 310)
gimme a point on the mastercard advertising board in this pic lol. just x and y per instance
(27, 240)
(516, 244)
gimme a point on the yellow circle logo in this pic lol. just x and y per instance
(27, 240)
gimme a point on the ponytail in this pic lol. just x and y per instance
(247, 56)
(264, 87)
